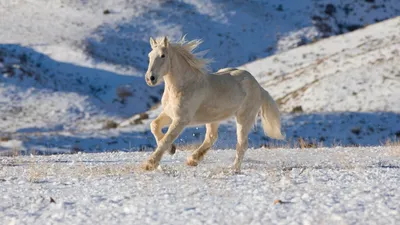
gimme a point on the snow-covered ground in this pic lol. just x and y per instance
(72, 70)
(281, 186)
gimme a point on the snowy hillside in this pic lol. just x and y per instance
(356, 72)
(70, 70)
(345, 87)
(117, 31)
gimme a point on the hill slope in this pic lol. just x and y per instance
(358, 71)
(236, 32)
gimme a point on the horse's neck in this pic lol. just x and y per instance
(181, 74)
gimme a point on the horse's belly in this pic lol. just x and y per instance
(210, 114)
(220, 104)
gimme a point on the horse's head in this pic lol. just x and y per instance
(158, 61)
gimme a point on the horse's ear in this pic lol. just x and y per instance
(165, 41)
(153, 43)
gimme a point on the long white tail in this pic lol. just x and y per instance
(270, 116)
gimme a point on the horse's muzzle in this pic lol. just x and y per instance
(151, 80)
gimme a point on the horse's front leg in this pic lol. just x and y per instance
(156, 128)
(165, 143)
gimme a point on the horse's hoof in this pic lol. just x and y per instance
(236, 169)
(172, 150)
(149, 166)
(237, 172)
(191, 162)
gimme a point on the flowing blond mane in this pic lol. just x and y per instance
(186, 49)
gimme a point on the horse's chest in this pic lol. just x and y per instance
(172, 104)
(171, 98)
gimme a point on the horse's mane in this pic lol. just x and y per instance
(186, 49)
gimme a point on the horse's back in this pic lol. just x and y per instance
(225, 70)
(223, 83)
(243, 77)
(223, 96)
(234, 72)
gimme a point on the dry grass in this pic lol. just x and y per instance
(135, 119)
(142, 116)
(392, 143)
(39, 171)
(394, 147)
(110, 124)
(123, 93)
(294, 143)
(277, 145)
(395, 151)
(35, 175)
(5, 138)
(109, 170)
(304, 144)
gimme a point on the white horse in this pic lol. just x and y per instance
(193, 97)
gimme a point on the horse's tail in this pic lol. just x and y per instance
(270, 116)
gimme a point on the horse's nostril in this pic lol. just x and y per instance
(152, 78)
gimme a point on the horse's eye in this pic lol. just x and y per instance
(162, 56)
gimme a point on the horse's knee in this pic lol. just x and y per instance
(154, 126)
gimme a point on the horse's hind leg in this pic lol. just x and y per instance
(244, 123)
(211, 137)
(156, 128)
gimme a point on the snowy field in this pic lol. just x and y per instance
(72, 81)
(281, 186)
